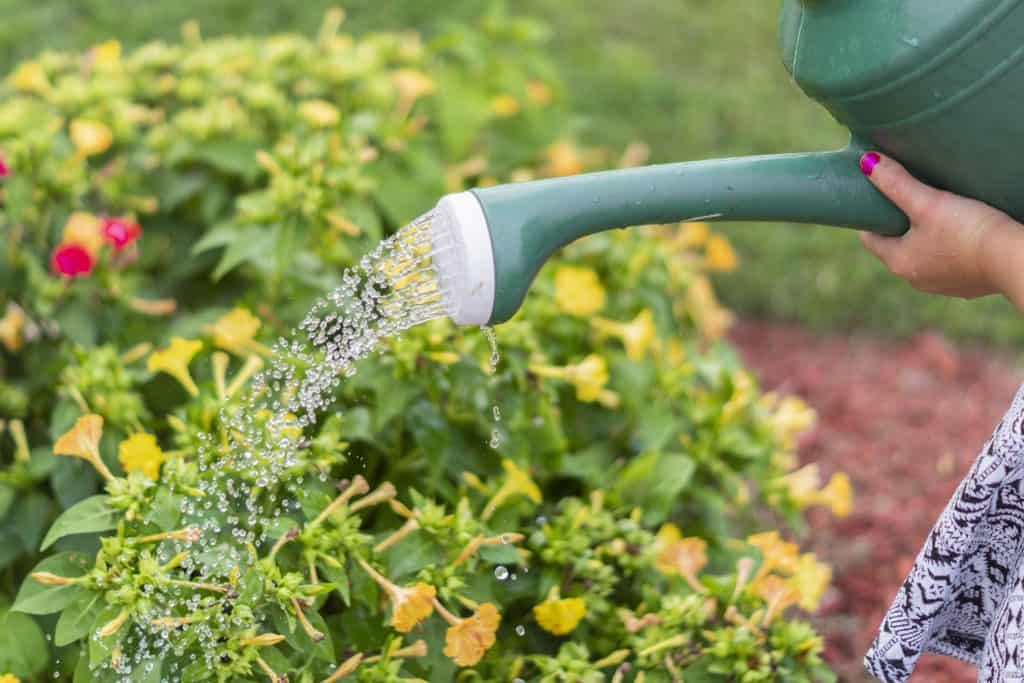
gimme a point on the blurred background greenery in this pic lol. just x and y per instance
(693, 78)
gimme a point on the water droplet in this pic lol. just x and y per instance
(500, 573)
(520, 631)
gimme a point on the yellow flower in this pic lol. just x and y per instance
(578, 291)
(410, 606)
(564, 159)
(812, 579)
(12, 327)
(693, 235)
(683, 556)
(30, 77)
(106, 54)
(517, 483)
(720, 255)
(838, 494)
(141, 453)
(776, 552)
(637, 336)
(791, 417)
(504, 106)
(85, 230)
(90, 137)
(83, 441)
(412, 84)
(742, 392)
(560, 617)
(174, 361)
(236, 332)
(9, 678)
(589, 376)
(538, 92)
(467, 640)
(803, 484)
(320, 113)
(778, 593)
(712, 320)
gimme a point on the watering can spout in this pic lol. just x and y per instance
(506, 233)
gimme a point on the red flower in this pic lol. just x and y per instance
(4, 168)
(71, 260)
(120, 232)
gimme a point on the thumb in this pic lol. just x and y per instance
(904, 190)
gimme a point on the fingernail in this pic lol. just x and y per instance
(868, 163)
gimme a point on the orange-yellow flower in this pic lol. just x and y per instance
(720, 255)
(85, 230)
(106, 54)
(776, 552)
(12, 327)
(412, 84)
(174, 361)
(9, 678)
(141, 453)
(560, 617)
(320, 113)
(504, 106)
(811, 578)
(564, 159)
(409, 606)
(467, 640)
(777, 593)
(538, 92)
(578, 291)
(637, 335)
(685, 557)
(90, 137)
(517, 483)
(236, 332)
(29, 77)
(83, 441)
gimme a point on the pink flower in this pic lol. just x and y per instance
(5, 170)
(71, 260)
(120, 232)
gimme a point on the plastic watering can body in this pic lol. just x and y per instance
(937, 84)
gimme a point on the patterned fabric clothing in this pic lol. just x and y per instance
(964, 596)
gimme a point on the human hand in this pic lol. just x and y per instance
(956, 246)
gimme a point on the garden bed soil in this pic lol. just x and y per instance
(905, 420)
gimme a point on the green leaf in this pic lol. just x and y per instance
(38, 598)
(235, 157)
(219, 236)
(101, 649)
(256, 245)
(89, 516)
(76, 621)
(10, 545)
(412, 554)
(23, 650)
(30, 516)
(6, 498)
(653, 482)
(339, 577)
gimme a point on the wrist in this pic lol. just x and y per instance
(1003, 257)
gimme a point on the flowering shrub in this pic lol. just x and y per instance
(173, 210)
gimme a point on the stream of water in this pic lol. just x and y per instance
(392, 289)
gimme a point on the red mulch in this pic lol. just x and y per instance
(906, 421)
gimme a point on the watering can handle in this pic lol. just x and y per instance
(530, 221)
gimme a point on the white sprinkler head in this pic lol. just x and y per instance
(463, 258)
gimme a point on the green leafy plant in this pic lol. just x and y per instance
(174, 210)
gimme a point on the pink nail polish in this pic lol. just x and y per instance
(868, 163)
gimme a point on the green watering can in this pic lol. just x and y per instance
(937, 84)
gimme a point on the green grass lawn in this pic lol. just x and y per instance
(694, 78)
